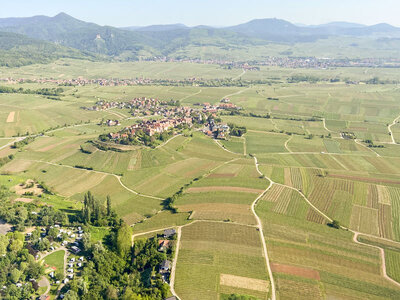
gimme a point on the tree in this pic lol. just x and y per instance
(3, 244)
(15, 275)
(71, 295)
(86, 241)
(111, 293)
(53, 232)
(124, 238)
(335, 224)
(15, 245)
(108, 205)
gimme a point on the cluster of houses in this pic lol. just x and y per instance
(164, 245)
(80, 81)
(151, 127)
(112, 123)
(217, 131)
(214, 108)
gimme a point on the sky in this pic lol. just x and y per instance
(122, 13)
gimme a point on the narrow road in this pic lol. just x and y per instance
(173, 270)
(382, 255)
(390, 129)
(356, 233)
(260, 229)
(99, 172)
(44, 282)
(286, 144)
(191, 95)
(244, 146)
(166, 142)
(326, 128)
(233, 94)
(240, 75)
(12, 142)
(223, 147)
(370, 149)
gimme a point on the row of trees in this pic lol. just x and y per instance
(95, 213)
(43, 91)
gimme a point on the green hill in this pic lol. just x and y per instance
(18, 50)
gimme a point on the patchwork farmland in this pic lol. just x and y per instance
(307, 175)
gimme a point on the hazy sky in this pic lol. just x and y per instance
(208, 12)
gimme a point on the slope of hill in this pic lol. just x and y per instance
(18, 50)
(68, 31)
(258, 38)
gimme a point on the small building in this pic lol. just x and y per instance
(75, 250)
(169, 233)
(165, 266)
(163, 245)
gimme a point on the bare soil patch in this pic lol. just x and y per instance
(10, 117)
(25, 200)
(28, 187)
(223, 189)
(244, 282)
(4, 227)
(297, 271)
(16, 166)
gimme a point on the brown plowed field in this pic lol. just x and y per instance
(297, 271)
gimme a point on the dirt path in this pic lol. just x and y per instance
(260, 229)
(382, 255)
(11, 117)
(44, 282)
(100, 172)
(326, 128)
(233, 94)
(286, 144)
(191, 95)
(166, 142)
(12, 142)
(356, 233)
(173, 270)
(223, 147)
(240, 75)
(390, 129)
(338, 161)
(370, 149)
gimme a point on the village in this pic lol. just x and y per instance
(173, 116)
(61, 250)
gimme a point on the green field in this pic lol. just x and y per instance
(55, 259)
(294, 131)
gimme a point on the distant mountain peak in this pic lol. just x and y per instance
(62, 15)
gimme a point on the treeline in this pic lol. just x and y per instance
(6, 159)
(236, 130)
(17, 265)
(22, 143)
(116, 269)
(269, 116)
(95, 213)
(43, 91)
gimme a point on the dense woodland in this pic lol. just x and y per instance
(115, 270)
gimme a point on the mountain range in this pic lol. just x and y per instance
(83, 39)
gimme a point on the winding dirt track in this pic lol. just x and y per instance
(390, 129)
(356, 233)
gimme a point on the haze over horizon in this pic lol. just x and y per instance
(222, 13)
